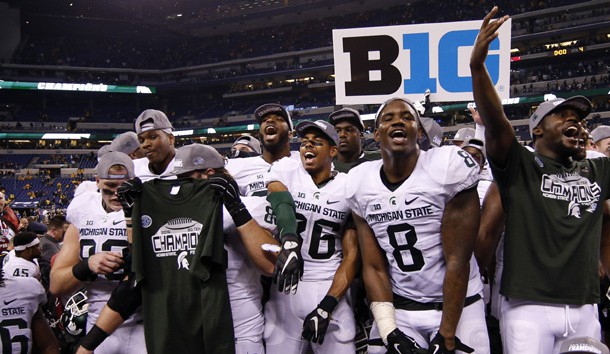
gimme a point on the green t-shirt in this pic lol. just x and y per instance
(179, 258)
(553, 227)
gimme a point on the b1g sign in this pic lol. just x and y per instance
(377, 63)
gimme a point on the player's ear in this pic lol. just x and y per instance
(376, 135)
(536, 131)
(333, 151)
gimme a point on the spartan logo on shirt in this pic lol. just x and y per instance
(175, 237)
(573, 188)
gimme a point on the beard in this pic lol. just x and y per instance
(277, 146)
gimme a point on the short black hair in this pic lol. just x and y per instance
(57, 221)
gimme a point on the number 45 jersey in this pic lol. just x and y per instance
(321, 214)
(407, 221)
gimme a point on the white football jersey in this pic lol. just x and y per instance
(18, 267)
(98, 231)
(141, 170)
(243, 278)
(407, 221)
(321, 214)
(250, 172)
(19, 300)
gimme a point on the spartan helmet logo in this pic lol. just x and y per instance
(574, 210)
(316, 195)
(393, 201)
(182, 261)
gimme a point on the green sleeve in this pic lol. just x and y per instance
(283, 208)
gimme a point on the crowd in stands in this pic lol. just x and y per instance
(117, 51)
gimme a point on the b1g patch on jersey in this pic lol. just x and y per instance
(146, 221)
(572, 188)
(177, 238)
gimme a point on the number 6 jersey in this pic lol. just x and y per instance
(321, 214)
(407, 221)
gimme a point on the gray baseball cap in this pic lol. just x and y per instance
(327, 129)
(114, 158)
(250, 141)
(274, 108)
(196, 157)
(126, 143)
(464, 134)
(152, 119)
(103, 150)
(583, 345)
(600, 133)
(349, 115)
(434, 132)
(579, 103)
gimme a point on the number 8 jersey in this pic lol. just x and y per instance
(407, 221)
(321, 214)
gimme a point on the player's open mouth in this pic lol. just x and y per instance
(270, 130)
(309, 156)
(398, 136)
(571, 132)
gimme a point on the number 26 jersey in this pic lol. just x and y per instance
(407, 221)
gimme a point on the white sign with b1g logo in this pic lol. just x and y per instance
(377, 63)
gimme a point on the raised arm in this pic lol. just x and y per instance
(499, 134)
(459, 228)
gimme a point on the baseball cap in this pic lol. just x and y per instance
(196, 157)
(464, 134)
(405, 100)
(250, 141)
(114, 158)
(24, 240)
(583, 345)
(600, 133)
(347, 114)
(103, 150)
(580, 103)
(152, 119)
(275, 108)
(474, 143)
(433, 131)
(126, 143)
(327, 129)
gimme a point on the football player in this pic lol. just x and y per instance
(554, 208)
(417, 215)
(24, 327)
(319, 312)
(26, 248)
(92, 252)
(154, 132)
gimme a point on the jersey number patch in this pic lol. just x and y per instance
(403, 239)
(318, 235)
(7, 340)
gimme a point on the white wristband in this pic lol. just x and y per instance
(385, 317)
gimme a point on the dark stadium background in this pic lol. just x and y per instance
(213, 62)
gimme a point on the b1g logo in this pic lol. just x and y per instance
(377, 63)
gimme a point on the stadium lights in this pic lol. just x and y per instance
(183, 132)
(64, 136)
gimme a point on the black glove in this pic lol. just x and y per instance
(289, 265)
(437, 346)
(316, 323)
(227, 186)
(400, 343)
(127, 193)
